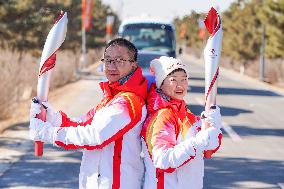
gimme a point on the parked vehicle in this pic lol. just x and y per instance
(150, 35)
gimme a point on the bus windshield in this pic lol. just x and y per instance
(150, 36)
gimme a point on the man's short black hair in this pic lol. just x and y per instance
(124, 43)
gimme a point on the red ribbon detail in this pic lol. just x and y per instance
(212, 84)
(212, 21)
(48, 64)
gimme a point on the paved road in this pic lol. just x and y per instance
(251, 156)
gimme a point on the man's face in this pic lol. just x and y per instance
(117, 62)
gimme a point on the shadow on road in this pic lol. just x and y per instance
(248, 131)
(9, 143)
(196, 78)
(20, 126)
(59, 172)
(225, 111)
(229, 172)
(235, 91)
(58, 168)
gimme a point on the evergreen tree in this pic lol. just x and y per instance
(190, 23)
(271, 14)
(25, 24)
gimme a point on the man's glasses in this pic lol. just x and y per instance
(118, 62)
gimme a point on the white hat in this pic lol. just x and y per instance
(163, 66)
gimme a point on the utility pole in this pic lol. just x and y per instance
(262, 57)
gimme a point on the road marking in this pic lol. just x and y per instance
(251, 105)
(199, 101)
(281, 185)
(228, 129)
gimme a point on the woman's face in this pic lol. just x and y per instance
(175, 85)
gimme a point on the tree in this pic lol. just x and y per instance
(271, 15)
(190, 23)
(25, 24)
(243, 27)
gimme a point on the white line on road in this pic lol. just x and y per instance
(228, 129)
(281, 185)
(199, 101)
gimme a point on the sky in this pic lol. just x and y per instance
(166, 9)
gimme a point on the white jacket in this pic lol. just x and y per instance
(110, 137)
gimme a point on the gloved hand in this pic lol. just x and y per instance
(42, 131)
(52, 116)
(200, 141)
(206, 139)
(213, 117)
(213, 140)
(35, 109)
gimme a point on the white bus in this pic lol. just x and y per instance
(150, 35)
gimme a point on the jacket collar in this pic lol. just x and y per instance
(134, 82)
(158, 100)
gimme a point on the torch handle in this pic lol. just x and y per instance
(38, 148)
(38, 144)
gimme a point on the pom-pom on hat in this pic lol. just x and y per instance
(163, 66)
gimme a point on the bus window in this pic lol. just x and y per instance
(151, 37)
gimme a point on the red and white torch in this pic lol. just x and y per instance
(212, 53)
(54, 40)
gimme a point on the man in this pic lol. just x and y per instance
(109, 133)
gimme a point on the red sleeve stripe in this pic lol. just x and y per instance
(67, 122)
(160, 179)
(116, 163)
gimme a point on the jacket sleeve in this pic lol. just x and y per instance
(162, 144)
(108, 124)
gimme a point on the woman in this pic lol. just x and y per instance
(173, 142)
